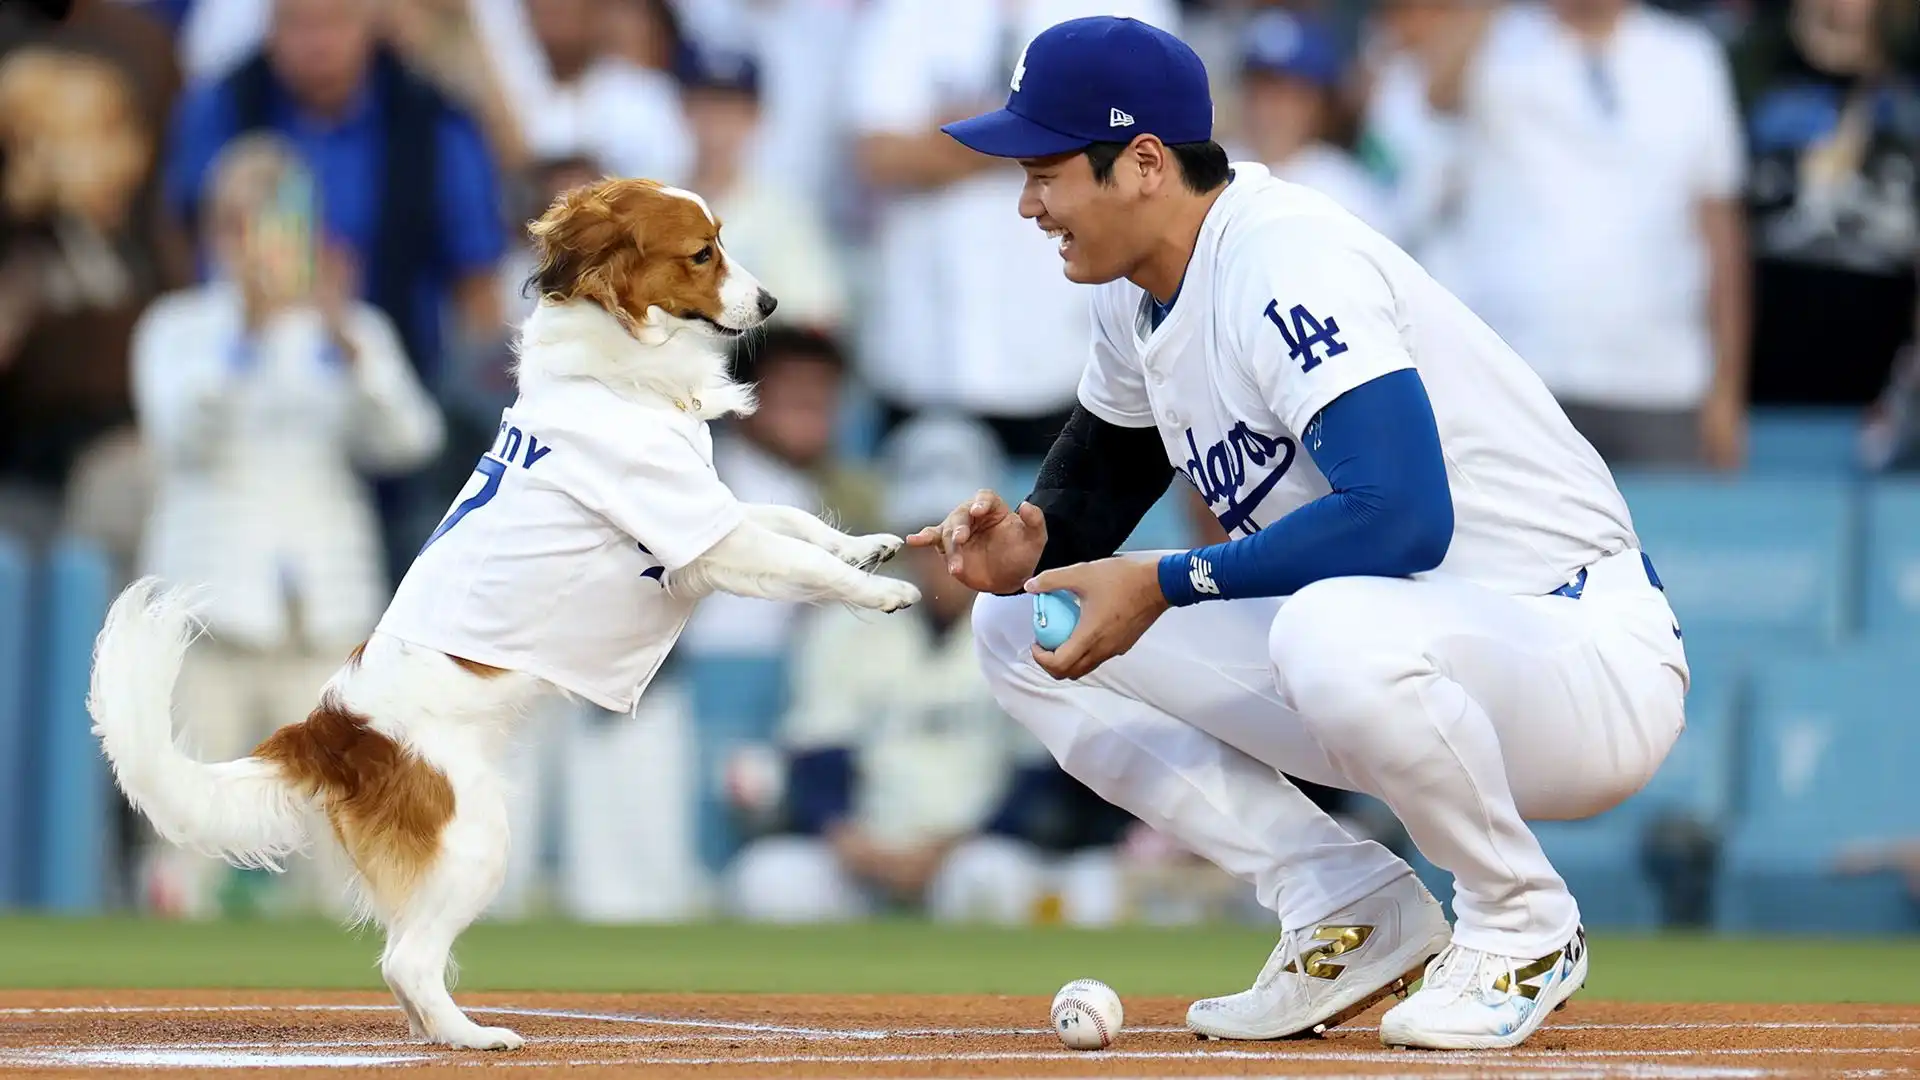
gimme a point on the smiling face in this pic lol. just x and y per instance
(1097, 223)
(649, 254)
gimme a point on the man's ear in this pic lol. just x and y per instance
(1153, 160)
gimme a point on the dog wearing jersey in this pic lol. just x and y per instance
(569, 564)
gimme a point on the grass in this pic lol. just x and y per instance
(890, 957)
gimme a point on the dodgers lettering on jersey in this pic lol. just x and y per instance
(1289, 302)
(553, 559)
(1236, 473)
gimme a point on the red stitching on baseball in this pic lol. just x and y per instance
(1093, 1014)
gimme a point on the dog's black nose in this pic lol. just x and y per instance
(767, 303)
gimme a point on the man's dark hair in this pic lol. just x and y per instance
(1203, 165)
(758, 351)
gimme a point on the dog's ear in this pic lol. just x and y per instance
(585, 246)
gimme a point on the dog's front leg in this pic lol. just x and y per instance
(756, 561)
(865, 552)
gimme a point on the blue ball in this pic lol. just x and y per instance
(1055, 614)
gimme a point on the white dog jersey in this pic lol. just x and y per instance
(553, 559)
(1290, 302)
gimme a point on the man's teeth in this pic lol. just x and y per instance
(1056, 234)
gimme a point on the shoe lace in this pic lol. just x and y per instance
(1284, 953)
(1454, 969)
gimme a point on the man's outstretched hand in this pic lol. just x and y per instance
(990, 547)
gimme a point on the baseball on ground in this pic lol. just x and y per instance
(1087, 1014)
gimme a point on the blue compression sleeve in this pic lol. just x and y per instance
(1390, 513)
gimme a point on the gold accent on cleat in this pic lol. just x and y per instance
(1340, 940)
(1522, 975)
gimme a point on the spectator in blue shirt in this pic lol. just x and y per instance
(409, 187)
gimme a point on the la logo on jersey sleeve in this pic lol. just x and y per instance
(1304, 333)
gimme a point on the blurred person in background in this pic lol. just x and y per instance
(1291, 73)
(1403, 137)
(409, 191)
(899, 760)
(479, 381)
(802, 48)
(83, 249)
(647, 33)
(456, 45)
(579, 90)
(782, 454)
(1600, 226)
(965, 310)
(769, 225)
(1834, 130)
(263, 396)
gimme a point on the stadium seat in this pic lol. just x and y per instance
(1808, 441)
(75, 832)
(15, 745)
(1603, 858)
(736, 699)
(1892, 596)
(1751, 555)
(1828, 762)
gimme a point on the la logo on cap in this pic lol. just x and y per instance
(1019, 70)
(1119, 118)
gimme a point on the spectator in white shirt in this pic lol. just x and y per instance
(900, 762)
(769, 227)
(966, 308)
(1601, 230)
(582, 95)
(263, 396)
(1290, 75)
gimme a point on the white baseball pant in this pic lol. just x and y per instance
(1465, 710)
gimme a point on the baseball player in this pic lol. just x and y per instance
(1433, 592)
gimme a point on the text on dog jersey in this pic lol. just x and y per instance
(510, 443)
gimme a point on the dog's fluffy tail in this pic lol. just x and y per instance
(245, 810)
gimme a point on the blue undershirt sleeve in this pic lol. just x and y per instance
(1390, 513)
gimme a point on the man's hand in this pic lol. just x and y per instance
(989, 546)
(1120, 598)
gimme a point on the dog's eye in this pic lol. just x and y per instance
(703, 256)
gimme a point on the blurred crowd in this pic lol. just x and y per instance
(261, 263)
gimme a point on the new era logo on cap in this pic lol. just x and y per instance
(1099, 79)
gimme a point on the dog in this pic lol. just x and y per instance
(569, 565)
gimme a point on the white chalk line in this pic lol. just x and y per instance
(1458, 1060)
(747, 1026)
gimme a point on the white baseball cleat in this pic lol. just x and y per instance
(1473, 1000)
(1329, 973)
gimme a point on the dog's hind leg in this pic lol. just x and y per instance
(449, 896)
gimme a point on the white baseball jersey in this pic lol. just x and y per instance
(1288, 303)
(553, 559)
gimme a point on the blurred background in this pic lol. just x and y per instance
(261, 261)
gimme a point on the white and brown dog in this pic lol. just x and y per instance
(569, 565)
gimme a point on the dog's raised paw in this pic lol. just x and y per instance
(887, 594)
(867, 552)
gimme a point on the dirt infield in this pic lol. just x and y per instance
(156, 1033)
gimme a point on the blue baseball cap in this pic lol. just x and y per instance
(1100, 79)
(1283, 43)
